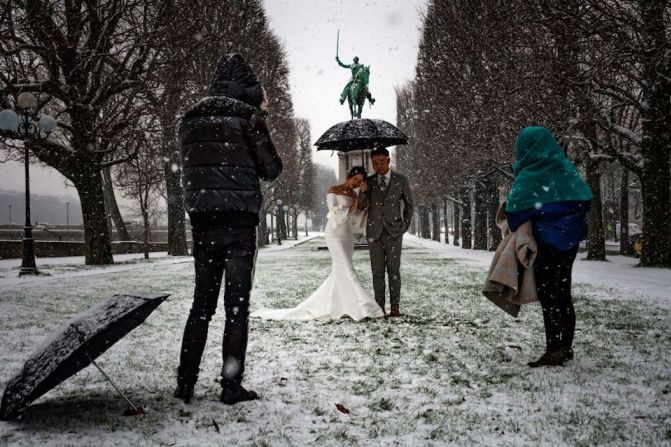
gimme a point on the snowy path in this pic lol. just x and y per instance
(620, 276)
(452, 371)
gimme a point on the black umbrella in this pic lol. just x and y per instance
(361, 134)
(74, 346)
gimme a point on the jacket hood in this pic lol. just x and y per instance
(543, 174)
(234, 78)
(533, 145)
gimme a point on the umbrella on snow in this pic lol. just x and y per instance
(77, 344)
(360, 134)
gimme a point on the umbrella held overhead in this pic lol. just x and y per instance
(359, 134)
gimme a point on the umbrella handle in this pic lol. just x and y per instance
(112, 383)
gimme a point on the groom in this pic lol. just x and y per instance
(387, 197)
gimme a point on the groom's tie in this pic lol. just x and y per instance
(383, 185)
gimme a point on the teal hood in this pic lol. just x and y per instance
(543, 174)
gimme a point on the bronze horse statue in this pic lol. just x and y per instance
(358, 92)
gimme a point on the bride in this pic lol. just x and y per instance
(341, 293)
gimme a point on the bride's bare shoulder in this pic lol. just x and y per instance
(336, 189)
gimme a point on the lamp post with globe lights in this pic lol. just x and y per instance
(24, 123)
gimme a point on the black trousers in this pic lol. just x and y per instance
(226, 253)
(552, 270)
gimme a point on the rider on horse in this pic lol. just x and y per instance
(356, 67)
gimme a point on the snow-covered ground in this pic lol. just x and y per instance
(451, 371)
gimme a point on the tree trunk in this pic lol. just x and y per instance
(145, 221)
(656, 122)
(97, 247)
(112, 207)
(177, 245)
(466, 220)
(424, 222)
(457, 223)
(294, 223)
(480, 224)
(282, 224)
(495, 236)
(624, 212)
(596, 242)
(655, 181)
(263, 232)
(413, 224)
(435, 218)
(447, 225)
(177, 240)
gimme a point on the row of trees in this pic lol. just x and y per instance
(119, 74)
(597, 73)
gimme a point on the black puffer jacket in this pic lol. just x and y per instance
(225, 150)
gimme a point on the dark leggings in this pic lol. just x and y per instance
(552, 270)
(229, 254)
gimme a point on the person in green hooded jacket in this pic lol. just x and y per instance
(549, 191)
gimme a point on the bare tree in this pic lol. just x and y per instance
(141, 179)
(92, 58)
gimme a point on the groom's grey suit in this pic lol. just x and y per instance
(389, 215)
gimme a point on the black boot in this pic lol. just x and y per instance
(567, 353)
(232, 393)
(554, 358)
(184, 391)
(185, 386)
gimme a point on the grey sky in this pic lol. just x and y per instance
(384, 34)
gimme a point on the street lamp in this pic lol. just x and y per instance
(10, 213)
(23, 124)
(67, 214)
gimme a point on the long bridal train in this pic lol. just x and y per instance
(341, 293)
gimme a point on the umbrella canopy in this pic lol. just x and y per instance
(358, 134)
(74, 346)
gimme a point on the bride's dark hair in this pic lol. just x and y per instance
(357, 170)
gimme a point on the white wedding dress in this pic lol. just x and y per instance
(341, 293)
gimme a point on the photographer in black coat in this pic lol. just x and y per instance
(225, 150)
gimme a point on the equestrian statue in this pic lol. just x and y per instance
(356, 90)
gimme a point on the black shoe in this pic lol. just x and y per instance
(184, 391)
(234, 394)
(567, 353)
(555, 358)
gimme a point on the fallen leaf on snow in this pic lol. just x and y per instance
(341, 408)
